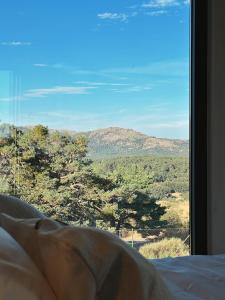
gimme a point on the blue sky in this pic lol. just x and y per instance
(91, 64)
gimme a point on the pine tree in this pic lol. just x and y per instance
(51, 171)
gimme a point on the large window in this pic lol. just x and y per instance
(94, 110)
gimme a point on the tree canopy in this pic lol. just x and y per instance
(51, 171)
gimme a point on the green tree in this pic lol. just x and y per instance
(124, 207)
(51, 171)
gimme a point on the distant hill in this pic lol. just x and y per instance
(115, 141)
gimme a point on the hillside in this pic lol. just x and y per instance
(115, 141)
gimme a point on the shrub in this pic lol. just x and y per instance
(177, 212)
(166, 248)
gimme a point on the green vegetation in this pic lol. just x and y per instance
(51, 171)
(165, 248)
(159, 177)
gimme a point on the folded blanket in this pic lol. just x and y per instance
(85, 263)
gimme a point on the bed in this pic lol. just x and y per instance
(44, 259)
(194, 277)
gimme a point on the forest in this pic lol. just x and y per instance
(51, 170)
(159, 177)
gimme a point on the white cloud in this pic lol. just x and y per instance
(139, 88)
(79, 121)
(91, 83)
(57, 90)
(156, 13)
(15, 43)
(122, 17)
(66, 115)
(40, 65)
(101, 83)
(59, 66)
(131, 89)
(156, 7)
(156, 121)
(118, 87)
(161, 68)
(161, 3)
(113, 16)
(172, 124)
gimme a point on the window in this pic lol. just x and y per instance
(95, 116)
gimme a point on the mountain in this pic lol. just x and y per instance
(115, 141)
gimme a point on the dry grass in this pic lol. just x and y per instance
(166, 248)
(177, 210)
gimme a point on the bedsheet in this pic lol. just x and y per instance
(76, 263)
(194, 277)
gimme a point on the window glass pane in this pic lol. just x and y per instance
(94, 100)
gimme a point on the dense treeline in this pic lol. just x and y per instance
(159, 177)
(51, 171)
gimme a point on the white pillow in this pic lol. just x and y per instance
(19, 277)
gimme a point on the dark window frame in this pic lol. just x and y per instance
(198, 127)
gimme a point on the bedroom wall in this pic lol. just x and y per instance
(216, 127)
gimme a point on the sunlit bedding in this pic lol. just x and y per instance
(44, 259)
(194, 277)
(71, 263)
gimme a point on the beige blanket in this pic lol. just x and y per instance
(83, 263)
